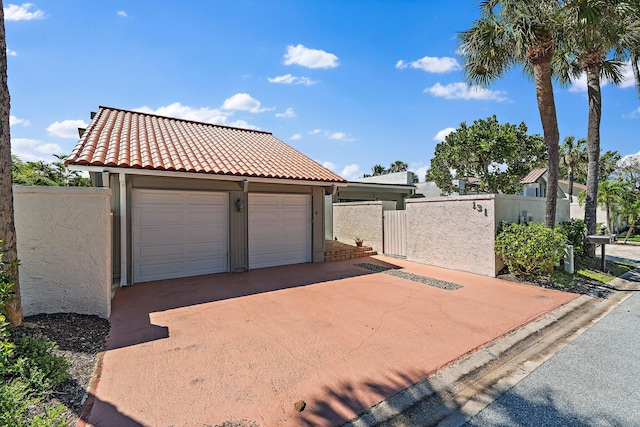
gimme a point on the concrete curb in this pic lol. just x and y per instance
(461, 390)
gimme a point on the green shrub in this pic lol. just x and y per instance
(575, 231)
(16, 401)
(529, 249)
(38, 364)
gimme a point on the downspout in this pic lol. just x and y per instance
(123, 229)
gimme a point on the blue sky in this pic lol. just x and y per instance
(348, 83)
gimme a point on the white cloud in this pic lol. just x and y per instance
(629, 79)
(462, 90)
(431, 64)
(351, 172)
(24, 12)
(289, 79)
(440, 136)
(296, 137)
(420, 172)
(340, 136)
(203, 114)
(329, 166)
(13, 120)
(580, 84)
(11, 52)
(337, 135)
(122, 13)
(633, 115)
(243, 102)
(66, 128)
(288, 113)
(31, 150)
(310, 58)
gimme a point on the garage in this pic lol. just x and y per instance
(179, 234)
(279, 229)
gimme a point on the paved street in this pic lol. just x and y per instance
(591, 382)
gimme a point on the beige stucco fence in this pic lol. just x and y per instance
(64, 247)
(456, 232)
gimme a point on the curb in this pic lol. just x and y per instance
(461, 390)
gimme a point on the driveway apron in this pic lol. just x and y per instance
(249, 348)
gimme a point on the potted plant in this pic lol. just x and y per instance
(358, 241)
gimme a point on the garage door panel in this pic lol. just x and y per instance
(161, 270)
(195, 199)
(154, 198)
(279, 229)
(159, 250)
(153, 216)
(179, 234)
(154, 235)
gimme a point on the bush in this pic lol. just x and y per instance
(575, 231)
(529, 249)
(17, 400)
(37, 363)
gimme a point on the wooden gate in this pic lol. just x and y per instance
(394, 233)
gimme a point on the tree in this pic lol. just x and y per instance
(42, 173)
(397, 166)
(607, 164)
(377, 170)
(635, 57)
(498, 155)
(573, 154)
(628, 169)
(13, 305)
(591, 30)
(630, 209)
(610, 194)
(512, 32)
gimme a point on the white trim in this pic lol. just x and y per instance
(123, 229)
(192, 175)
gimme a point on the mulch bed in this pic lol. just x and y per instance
(80, 338)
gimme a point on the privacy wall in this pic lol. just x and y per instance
(64, 247)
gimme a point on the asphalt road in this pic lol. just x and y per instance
(594, 381)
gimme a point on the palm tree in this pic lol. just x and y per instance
(635, 57)
(630, 210)
(378, 170)
(592, 29)
(513, 32)
(573, 154)
(13, 305)
(610, 195)
(397, 166)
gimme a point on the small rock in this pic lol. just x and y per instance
(300, 405)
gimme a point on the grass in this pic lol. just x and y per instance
(588, 277)
(635, 238)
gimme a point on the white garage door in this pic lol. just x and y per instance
(179, 234)
(279, 229)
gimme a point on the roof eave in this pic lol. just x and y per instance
(192, 175)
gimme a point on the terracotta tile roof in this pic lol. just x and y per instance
(533, 176)
(129, 139)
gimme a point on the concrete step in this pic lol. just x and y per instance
(338, 251)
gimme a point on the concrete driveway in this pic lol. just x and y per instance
(241, 349)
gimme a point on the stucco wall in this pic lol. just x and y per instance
(64, 247)
(449, 232)
(509, 208)
(359, 219)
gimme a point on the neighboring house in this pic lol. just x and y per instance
(535, 184)
(394, 187)
(191, 198)
(577, 208)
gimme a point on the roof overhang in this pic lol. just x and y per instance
(392, 188)
(192, 175)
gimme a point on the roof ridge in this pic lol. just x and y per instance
(184, 120)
